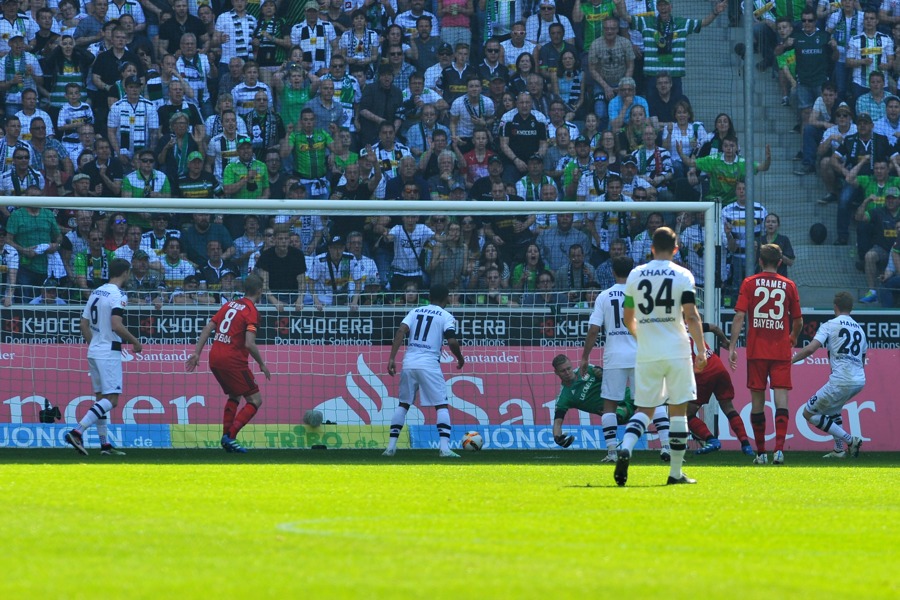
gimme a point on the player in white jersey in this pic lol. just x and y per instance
(619, 354)
(847, 347)
(427, 327)
(659, 300)
(104, 330)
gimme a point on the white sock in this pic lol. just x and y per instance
(443, 427)
(661, 423)
(397, 421)
(97, 411)
(634, 429)
(828, 424)
(838, 442)
(610, 425)
(679, 445)
(101, 430)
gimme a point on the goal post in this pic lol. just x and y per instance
(331, 360)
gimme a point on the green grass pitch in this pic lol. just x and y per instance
(490, 525)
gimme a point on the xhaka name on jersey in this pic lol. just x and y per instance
(658, 273)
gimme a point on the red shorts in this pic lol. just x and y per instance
(777, 372)
(714, 379)
(236, 382)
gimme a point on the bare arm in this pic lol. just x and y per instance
(736, 325)
(250, 344)
(806, 351)
(453, 344)
(395, 347)
(191, 363)
(86, 332)
(118, 327)
(695, 328)
(589, 342)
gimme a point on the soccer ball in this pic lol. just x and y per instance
(472, 441)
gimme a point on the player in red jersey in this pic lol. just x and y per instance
(715, 379)
(233, 330)
(773, 305)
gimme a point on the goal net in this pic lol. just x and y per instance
(333, 359)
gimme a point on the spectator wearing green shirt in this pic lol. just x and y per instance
(725, 169)
(581, 393)
(91, 267)
(146, 181)
(310, 148)
(247, 178)
(34, 233)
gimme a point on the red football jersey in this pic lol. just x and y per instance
(233, 321)
(771, 303)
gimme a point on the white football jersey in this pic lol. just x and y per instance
(428, 325)
(846, 343)
(620, 348)
(104, 302)
(658, 289)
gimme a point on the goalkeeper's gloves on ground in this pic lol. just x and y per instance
(564, 440)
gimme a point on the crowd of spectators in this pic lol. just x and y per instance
(493, 100)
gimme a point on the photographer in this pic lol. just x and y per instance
(247, 178)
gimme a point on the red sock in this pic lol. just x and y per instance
(699, 429)
(758, 422)
(241, 419)
(781, 425)
(737, 426)
(231, 407)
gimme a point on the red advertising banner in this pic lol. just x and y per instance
(349, 384)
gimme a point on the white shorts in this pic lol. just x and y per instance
(664, 382)
(832, 397)
(428, 382)
(614, 383)
(106, 375)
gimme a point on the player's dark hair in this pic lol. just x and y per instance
(117, 267)
(664, 240)
(559, 359)
(843, 301)
(438, 293)
(770, 255)
(622, 266)
(253, 284)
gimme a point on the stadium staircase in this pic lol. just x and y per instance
(714, 84)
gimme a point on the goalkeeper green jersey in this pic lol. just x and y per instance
(583, 394)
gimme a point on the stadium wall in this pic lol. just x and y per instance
(506, 390)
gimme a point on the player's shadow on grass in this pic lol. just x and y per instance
(606, 486)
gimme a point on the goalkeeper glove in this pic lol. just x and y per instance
(564, 440)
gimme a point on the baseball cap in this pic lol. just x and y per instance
(296, 186)
(191, 279)
(864, 116)
(843, 108)
(457, 186)
(81, 176)
(629, 161)
(159, 217)
(14, 36)
(892, 191)
(337, 240)
(244, 140)
(495, 159)
(51, 282)
(536, 156)
(195, 156)
(225, 272)
(138, 255)
(581, 140)
(548, 3)
(445, 48)
(132, 80)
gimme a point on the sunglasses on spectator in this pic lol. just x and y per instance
(600, 159)
(492, 50)
(395, 54)
(146, 160)
(96, 239)
(120, 221)
(808, 20)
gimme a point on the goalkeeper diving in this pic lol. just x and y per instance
(582, 392)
